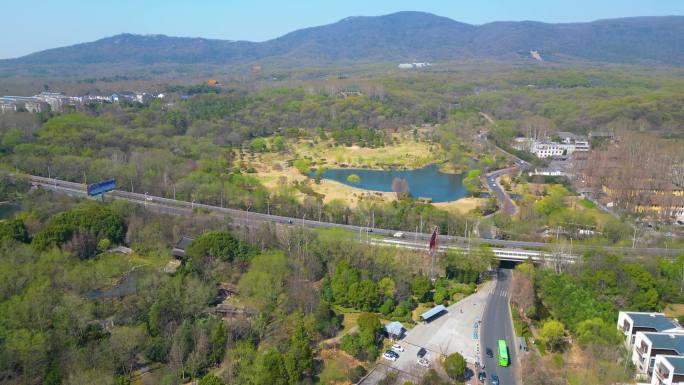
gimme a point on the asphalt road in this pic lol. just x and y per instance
(505, 202)
(249, 218)
(496, 325)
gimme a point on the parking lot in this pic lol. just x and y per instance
(451, 332)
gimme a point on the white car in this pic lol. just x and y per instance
(424, 362)
(390, 355)
(398, 235)
(397, 348)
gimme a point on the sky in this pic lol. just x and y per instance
(44, 24)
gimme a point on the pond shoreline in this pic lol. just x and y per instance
(428, 182)
(444, 167)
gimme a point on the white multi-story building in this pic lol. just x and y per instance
(568, 143)
(649, 345)
(405, 66)
(631, 322)
(56, 100)
(668, 370)
(547, 149)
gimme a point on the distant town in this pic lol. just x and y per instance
(48, 101)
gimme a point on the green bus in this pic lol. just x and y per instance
(503, 353)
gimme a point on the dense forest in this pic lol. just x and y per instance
(573, 311)
(75, 310)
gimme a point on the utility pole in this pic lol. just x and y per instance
(221, 198)
(49, 177)
(268, 206)
(174, 192)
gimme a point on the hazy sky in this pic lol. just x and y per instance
(37, 25)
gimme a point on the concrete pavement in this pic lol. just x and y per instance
(454, 331)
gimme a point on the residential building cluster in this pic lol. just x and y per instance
(568, 144)
(408, 66)
(656, 345)
(57, 102)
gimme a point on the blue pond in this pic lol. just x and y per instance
(427, 182)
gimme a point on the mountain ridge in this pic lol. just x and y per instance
(401, 36)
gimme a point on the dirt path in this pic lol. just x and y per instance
(336, 340)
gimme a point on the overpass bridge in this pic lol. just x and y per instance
(502, 254)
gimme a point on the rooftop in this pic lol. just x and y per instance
(657, 321)
(667, 341)
(677, 363)
(565, 134)
(394, 328)
(432, 312)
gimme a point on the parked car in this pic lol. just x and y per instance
(424, 362)
(482, 376)
(489, 353)
(397, 348)
(390, 355)
(495, 379)
(421, 352)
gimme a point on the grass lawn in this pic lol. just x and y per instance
(405, 152)
(348, 322)
(587, 204)
(335, 233)
(674, 310)
(336, 367)
(422, 308)
(462, 206)
(334, 372)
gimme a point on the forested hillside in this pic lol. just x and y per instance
(401, 36)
